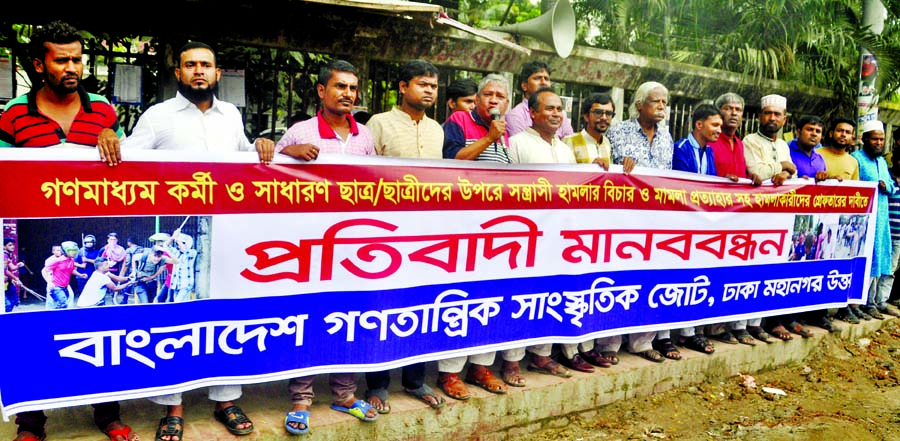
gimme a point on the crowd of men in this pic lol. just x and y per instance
(482, 127)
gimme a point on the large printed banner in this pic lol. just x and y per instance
(352, 264)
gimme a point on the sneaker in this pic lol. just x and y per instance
(847, 315)
(871, 311)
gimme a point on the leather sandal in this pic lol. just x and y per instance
(482, 377)
(611, 356)
(798, 329)
(781, 333)
(596, 359)
(760, 334)
(171, 427)
(513, 376)
(698, 343)
(453, 386)
(550, 368)
(744, 337)
(667, 348)
(652, 355)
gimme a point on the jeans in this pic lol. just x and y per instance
(58, 298)
(143, 291)
(163, 295)
(12, 297)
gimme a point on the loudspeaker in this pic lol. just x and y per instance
(556, 28)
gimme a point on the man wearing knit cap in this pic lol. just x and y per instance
(768, 155)
(873, 168)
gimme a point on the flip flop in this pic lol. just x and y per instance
(123, 432)
(299, 417)
(359, 409)
(426, 391)
(382, 395)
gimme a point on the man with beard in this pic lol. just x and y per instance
(643, 141)
(840, 164)
(60, 111)
(195, 119)
(589, 145)
(873, 168)
(406, 132)
(768, 155)
(535, 75)
(836, 152)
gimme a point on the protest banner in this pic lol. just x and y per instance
(361, 264)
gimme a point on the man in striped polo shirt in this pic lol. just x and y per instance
(60, 112)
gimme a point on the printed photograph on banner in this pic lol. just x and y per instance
(104, 261)
(828, 236)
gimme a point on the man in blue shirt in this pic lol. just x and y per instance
(810, 164)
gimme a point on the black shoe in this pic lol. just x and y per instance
(826, 324)
(888, 311)
(862, 314)
(847, 315)
(872, 311)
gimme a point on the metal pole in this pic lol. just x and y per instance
(874, 14)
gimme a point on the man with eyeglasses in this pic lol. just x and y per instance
(589, 145)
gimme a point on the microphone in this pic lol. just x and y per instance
(495, 114)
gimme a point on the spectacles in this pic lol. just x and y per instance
(601, 113)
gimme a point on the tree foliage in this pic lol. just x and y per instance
(813, 42)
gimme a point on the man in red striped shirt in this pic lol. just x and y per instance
(61, 111)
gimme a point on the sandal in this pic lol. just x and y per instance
(513, 376)
(452, 386)
(781, 333)
(34, 437)
(423, 393)
(593, 357)
(744, 338)
(797, 328)
(359, 409)
(610, 356)
(297, 417)
(725, 337)
(172, 427)
(667, 348)
(758, 333)
(699, 344)
(482, 377)
(550, 368)
(652, 355)
(232, 417)
(378, 398)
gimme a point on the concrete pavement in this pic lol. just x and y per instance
(485, 417)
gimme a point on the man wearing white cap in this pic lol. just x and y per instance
(873, 168)
(768, 155)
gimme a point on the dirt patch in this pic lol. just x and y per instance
(846, 391)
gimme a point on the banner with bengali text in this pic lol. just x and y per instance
(358, 264)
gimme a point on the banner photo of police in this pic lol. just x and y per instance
(302, 268)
